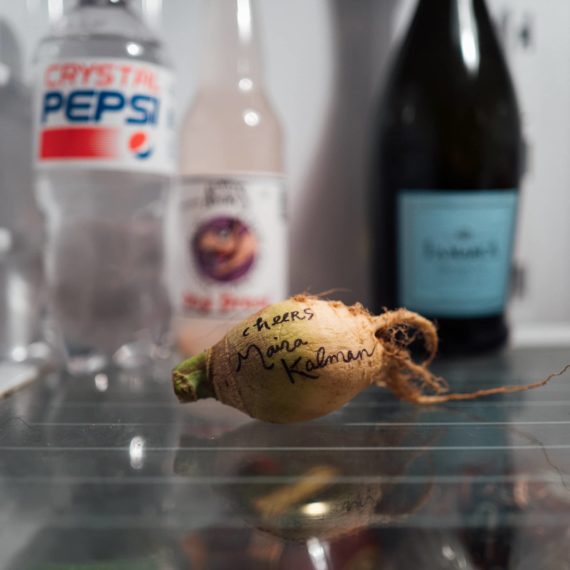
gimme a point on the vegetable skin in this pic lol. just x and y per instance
(306, 357)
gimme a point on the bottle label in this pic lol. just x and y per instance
(454, 251)
(105, 113)
(229, 241)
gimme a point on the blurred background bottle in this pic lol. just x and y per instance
(449, 160)
(227, 228)
(20, 221)
(104, 160)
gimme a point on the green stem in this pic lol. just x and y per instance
(190, 379)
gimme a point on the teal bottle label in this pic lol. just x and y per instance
(454, 251)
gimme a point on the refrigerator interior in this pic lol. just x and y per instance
(325, 86)
(112, 472)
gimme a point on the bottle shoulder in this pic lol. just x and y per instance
(233, 111)
(448, 116)
(95, 31)
(446, 95)
(231, 135)
(101, 21)
(441, 74)
(211, 98)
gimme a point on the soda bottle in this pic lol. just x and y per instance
(227, 228)
(104, 160)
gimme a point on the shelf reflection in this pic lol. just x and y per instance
(277, 487)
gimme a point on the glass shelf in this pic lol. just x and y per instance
(112, 472)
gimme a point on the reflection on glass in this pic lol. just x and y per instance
(132, 381)
(136, 452)
(5, 234)
(251, 118)
(21, 236)
(277, 502)
(318, 553)
(152, 9)
(245, 84)
(101, 382)
(19, 353)
(468, 35)
(55, 10)
(317, 494)
(317, 509)
(5, 75)
(543, 495)
(244, 20)
(60, 548)
(134, 49)
(431, 549)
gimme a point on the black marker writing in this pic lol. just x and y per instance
(287, 317)
(271, 351)
(245, 356)
(322, 359)
(292, 369)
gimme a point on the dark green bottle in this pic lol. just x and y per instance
(448, 163)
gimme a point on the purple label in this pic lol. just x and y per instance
(224, 249)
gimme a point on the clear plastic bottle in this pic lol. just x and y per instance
(105, 158)
(227, 228)
(20, 221)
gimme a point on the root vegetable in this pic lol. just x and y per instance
(306, 357)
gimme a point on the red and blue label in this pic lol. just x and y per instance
(108, 113)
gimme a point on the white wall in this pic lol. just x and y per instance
(542, 75)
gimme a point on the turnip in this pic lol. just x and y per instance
(306, 357)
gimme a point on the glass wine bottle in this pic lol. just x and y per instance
(448, 163)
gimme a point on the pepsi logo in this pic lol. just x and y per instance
(139, 145)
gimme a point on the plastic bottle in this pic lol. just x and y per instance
(227, 227)
(105, 155)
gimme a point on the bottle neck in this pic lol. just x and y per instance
(457, 23)
(231, 51)
(449, 10)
